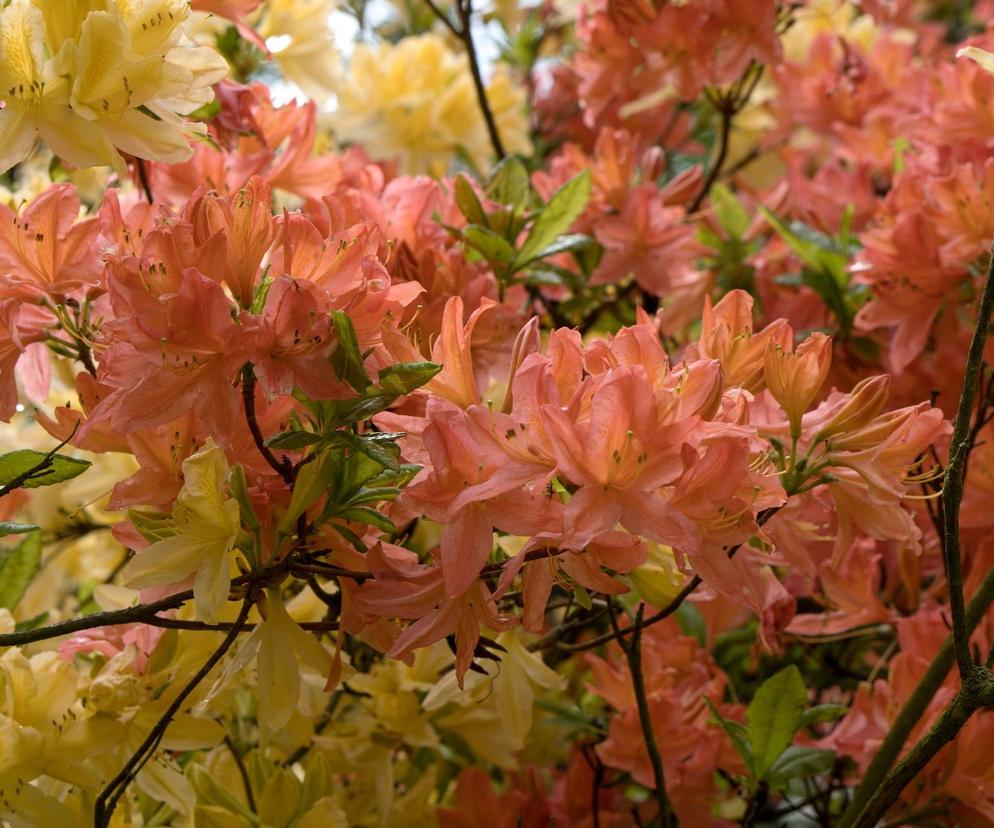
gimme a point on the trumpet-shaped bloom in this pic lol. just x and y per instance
(794, 377)
(205, 525)
(98, 79)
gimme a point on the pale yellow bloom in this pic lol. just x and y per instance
(507, 693)
(839, 18)
(98, 77)
(984, 59)
(659, 579)
(206, 523)
(298, 35)
(37, 708)
(415, 101)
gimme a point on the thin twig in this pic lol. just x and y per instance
(464, 8)
(727, 113)
(140, 613)
(633, 653)
(226, 626)
(955, 477)
(114, 790)
(242, 771)
(143, 180)
(129, 615)
(869, 796)
(444, 18)
(283, 469)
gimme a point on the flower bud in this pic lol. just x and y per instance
(795, 377)
(865, 402)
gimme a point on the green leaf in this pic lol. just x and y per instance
(509, 184)
(362, 514)
(821, 713)
(406, 377)
(774, 716)
(18, 566)
(798, 762)
(556, 217)
(313, 480)
(351, 537)
(468, 201)
(8, 528)
(383, 453)
(487, 243)
(692, 623)
(812, 251)
(731, 215)
(573, 241)
(293, 440)
(260, 293)
(211, 792)
(736, 732)
(44, 469)
(582, 596)
(347, 358)
(238, 484)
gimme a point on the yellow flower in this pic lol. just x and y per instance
(97, 77)
(415, 101)
(206, 524)
(298, 34)
(37, 707)
(984, 59)
(658, 580)
(507, 693)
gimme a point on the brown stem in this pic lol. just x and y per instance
(143, 180)
(285, 468)
(114, 790)
(726, 110)
(977, 692)
(633, 653)
(242, 771)
(955, 477)
(464, 8)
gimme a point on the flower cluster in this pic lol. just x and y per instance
(436, 430)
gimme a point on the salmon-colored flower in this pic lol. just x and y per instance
(794, 377)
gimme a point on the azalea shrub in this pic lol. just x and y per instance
(570, 414)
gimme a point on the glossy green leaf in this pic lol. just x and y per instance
(556, 217)
(821, 713)
(509, 184)
(798, 762)
(469, 202)
(8, 528)
(41, 469)
(564, 244)
(487, 243)
(774, 716)
(293, 440)
(18, 566)
(406, 377)
(347, 358)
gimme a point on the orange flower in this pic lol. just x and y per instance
(795, 377)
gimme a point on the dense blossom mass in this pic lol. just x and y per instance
(424, 414)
